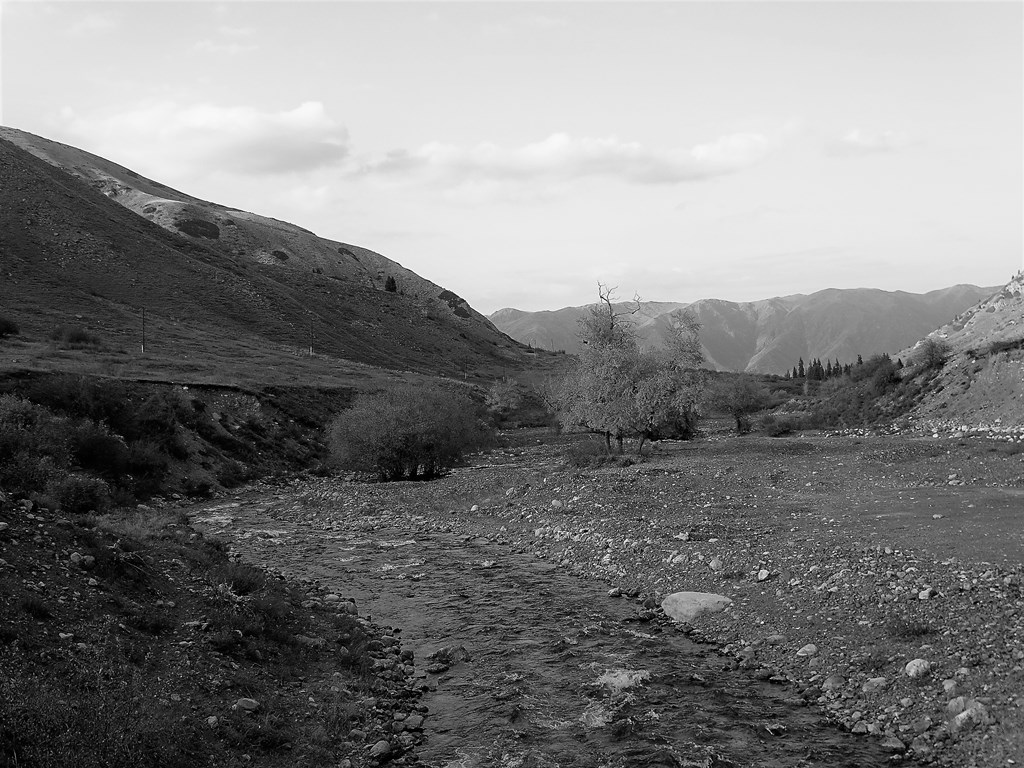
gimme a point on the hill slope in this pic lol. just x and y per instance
(85, 241)
(769, 336)
(982, 383)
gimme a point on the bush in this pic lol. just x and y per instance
(594, 453)
(8, 327)
(778, 426)
(98, 451)
(78, 494)
(409, 432)
(931, 353)
(76, 337)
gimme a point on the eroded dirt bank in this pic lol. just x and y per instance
(823, 542)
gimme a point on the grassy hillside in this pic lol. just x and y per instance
(71, 256)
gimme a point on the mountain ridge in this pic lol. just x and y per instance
(770, 335)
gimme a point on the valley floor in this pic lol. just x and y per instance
(504, 580)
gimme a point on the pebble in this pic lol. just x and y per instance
(808, 650)
(381, 749)
(4, 526)
(917, 668)
(874, 684)
(247, 705)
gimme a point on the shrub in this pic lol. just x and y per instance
(778, 426)
(931, 353)
(594, 453)
(96, 450)
(409, 432)
(8, 327)
(78, 494)
(76, 337)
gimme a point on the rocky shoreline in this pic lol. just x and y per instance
(826, 549)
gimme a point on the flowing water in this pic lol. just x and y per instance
(538, 667)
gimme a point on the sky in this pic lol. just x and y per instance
(518, 153)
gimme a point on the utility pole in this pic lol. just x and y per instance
(143, 330)
(311, 337)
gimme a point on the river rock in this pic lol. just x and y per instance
(974, 714)
(687, 606)
(874, 684)
(917, 668)
(893, 744)
(380, 749)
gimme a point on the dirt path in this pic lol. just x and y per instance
(527, 664)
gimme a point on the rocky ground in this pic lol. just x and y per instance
(877, 578)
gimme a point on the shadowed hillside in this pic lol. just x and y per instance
(222, 306)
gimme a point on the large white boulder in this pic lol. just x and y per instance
(687, 606)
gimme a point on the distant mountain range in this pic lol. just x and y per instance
(771, 335)
(85, 240)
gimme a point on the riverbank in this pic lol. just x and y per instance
(878, 552)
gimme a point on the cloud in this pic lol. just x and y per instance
(210, 138)
(91, 24)
(561, 157)
(214, 46)
(858, 142)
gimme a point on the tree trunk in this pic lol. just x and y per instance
(640, 448)
(608, 441)
(618, 439)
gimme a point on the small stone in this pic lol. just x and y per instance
(775, 639)
(763, 575)
(75, 558)
(4, 526)
(474, 508)
(414, 722)
(926, 594)
(556, 504)
(380, 749)
(874, 684)
(894, 745)
(716, 565)
(212, 721)
(975, 714)
(247, 705)
(808, 650)
(955, 706)
(917, 668)
(832, 683)
(332, 598)
(949, 686)
(615, 592)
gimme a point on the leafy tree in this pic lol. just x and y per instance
(503, 398)
(390, 285)
(408, 432)
(618, 390)
(740, 396)
(931, 353)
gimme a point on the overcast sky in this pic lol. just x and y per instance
(517, 153)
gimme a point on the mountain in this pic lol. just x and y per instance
(771, 335)
(86, 241)
(982, 382)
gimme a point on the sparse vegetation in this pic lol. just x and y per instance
(739, 396)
